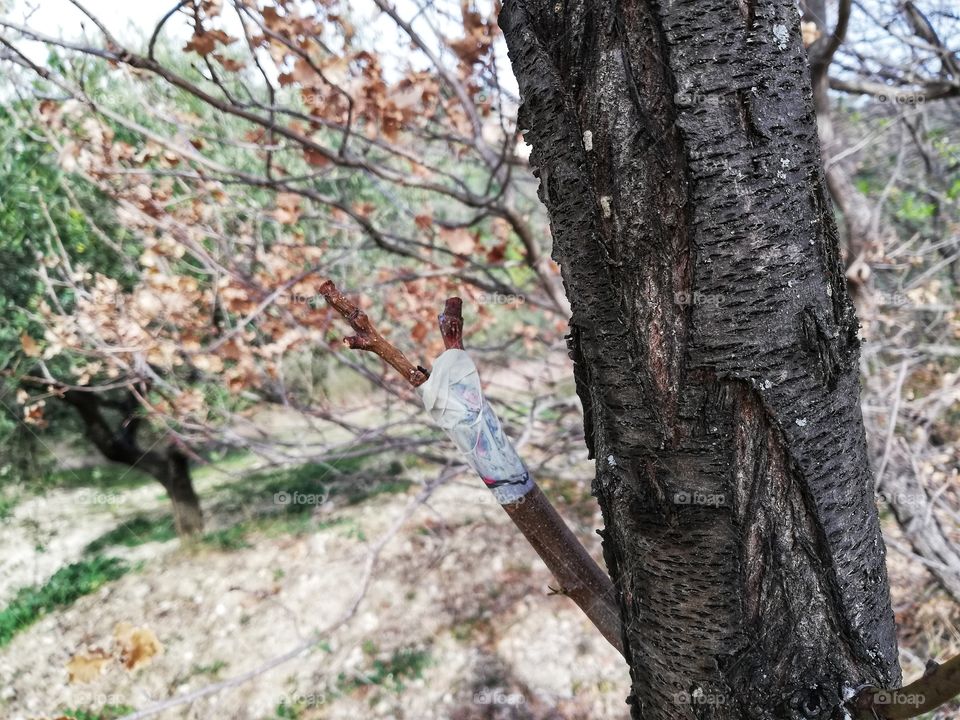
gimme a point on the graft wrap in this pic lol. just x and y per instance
(453, 397)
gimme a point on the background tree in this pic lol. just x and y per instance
(226, 301)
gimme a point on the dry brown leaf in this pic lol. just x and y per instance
(460, 240)
(137, 646)
(315, 157)
(419, 332)
(810, 33)
(229, 64)
(33, 414)
(87, 667)
(204, 42)
(288, 208)
(497, 253)
(30, 346)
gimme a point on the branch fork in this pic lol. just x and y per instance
(367, 337)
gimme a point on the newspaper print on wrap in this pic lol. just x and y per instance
(453, 397)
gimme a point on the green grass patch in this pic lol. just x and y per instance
(391, 674)
(404, 664)
(213, 669)
(8, 501)
(282, 502)
(104, 477)
(107, 712)
(62, 589)
(231, 538)
(284, 489)
(236, 537)
(229, 461)
(136, 531)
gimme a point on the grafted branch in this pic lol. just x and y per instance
(579, 576)
(451, 324)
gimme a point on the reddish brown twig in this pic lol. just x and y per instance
(367, 337)
(451, 324)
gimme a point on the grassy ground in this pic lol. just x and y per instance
(458, 623)
(66, 585)
(281, 559)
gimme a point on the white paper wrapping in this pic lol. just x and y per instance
(453, 397)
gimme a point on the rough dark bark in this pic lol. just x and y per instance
(715, 350)
(169, 466)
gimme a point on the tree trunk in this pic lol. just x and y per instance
(715, 351)
(169, 466)
(187, 515)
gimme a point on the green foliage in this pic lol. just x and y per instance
(31, 182)
(62, 589)
(912, 209)
(37, 214)
(23, 456)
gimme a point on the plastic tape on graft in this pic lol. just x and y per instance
(453, 397)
